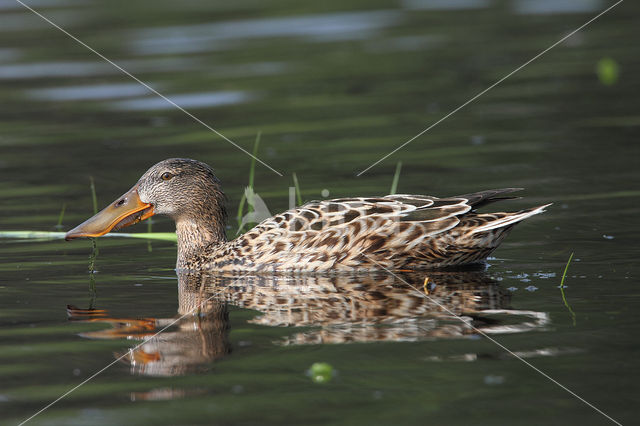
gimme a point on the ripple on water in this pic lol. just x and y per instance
(89, 92)
(543, 7)
(14, 5)
(67, 69)
(185, 100)
(445, 4)
(218, 35)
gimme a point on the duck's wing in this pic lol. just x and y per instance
(362, 215)
(392, 230)
(438, 214)
(346, 231)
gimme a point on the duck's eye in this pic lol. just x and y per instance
(166, 176)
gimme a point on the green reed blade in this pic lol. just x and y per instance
(396, 178)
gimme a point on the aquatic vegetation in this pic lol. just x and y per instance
(94, 197)
(61, 216)
(296, 185)
(321, 372)
(564, 299)
(53, 235)
(252, 173)
(607, 70)
(396, 178)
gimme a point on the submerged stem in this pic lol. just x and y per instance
(93, 256)
(92, 291)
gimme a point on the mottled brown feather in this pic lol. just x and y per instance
(363, 234)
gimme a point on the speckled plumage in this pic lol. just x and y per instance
(341, 235)
(362, 234)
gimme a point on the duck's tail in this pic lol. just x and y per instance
(503, 220)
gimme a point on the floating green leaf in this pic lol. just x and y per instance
(607, 70)
(321, 372)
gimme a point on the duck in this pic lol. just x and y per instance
(361, 234)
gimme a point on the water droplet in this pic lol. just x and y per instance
(477, 140)
(493, 380)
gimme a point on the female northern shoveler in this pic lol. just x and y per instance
(346, 234)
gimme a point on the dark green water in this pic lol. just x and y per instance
(333, 87)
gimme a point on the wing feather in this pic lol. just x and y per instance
(345, 232)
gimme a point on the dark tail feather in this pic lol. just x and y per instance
(482, 198)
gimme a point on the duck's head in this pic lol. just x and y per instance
(185, 190)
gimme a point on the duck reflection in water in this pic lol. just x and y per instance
(338, 309)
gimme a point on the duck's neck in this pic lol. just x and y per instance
(195, 234)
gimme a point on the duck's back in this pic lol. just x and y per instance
(360, 234)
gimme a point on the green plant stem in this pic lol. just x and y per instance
(92, 291)
(564, 299)
(396, 178)
(94, 198)
(45, 235)
(297, 185)
(93, 256)
(94, 245)
(252, 173)
(61, 216)
(252, 170)
(241, 210)
(149, 226)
